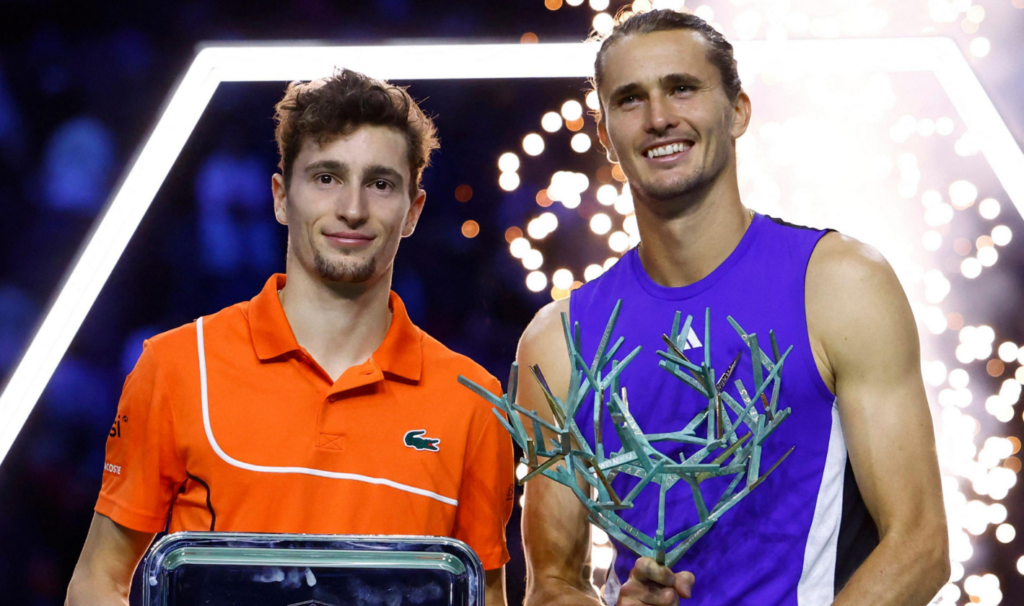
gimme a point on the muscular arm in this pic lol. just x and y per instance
(556, 533)
(866, 344)
(104, 571)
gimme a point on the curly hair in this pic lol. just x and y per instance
(719, 52)
(338, 105)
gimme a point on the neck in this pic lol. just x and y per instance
(684, 240)
(339, 325)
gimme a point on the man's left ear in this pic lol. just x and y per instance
(413, 216)
(740, 115)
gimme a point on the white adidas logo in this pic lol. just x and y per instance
(692, 341)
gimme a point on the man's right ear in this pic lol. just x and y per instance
(280, 192)
(602, 136)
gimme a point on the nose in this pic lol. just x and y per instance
(660, 115)
(351, 206)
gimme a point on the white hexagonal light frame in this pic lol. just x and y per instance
(214, 65)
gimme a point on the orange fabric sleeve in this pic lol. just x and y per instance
(487, 493)
(142, 469)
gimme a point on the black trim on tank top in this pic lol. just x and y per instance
(209, 504)
(794, 225)
(858, 535)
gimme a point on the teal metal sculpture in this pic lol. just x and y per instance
(713, 430)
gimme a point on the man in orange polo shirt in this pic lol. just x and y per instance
(316, 407)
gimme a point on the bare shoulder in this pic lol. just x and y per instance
(543, 345)
(545, 330)
(840, 259)
(854, 303)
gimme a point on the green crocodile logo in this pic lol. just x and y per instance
(415, 439)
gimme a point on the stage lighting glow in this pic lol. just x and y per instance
(926, 127)
(602, 556)
(980, 47)
(509, 181)
(592, 101)
(624, 203)
(580, 143)
(989, 208)
(572, 110)
(601, 224)
(470, 229)
(599, 5)
(705, 12)
(944, 126)
(618, 241)
(562, 279)
(536, 281)
(551, 122)
(958, 377)
(1005, 533)
(609, 262)
(1007, 352)
(533, 259)
(970, 268)
(607, 195)
(1001, 235)
(508, 162)
(931, 240)
(533, 144)
(519, 247)
(962, 193)
(592, 272)
(672, 5)
(603, 23)
(521, 471)
(988, 256)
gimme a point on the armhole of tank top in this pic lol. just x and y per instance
(817, 379)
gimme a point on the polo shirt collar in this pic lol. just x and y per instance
(271, 333)
(401, 352)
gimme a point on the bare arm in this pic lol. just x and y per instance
(494, 594)
(556, 533)
(866, 344)
(103, 575)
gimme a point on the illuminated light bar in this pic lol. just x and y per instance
(286, 62)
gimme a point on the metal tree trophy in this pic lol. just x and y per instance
(722, 451)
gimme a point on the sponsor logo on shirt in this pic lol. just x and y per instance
(115, 429)
(415, 439)
(692, 341)
(109, 467)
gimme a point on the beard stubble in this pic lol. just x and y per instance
(342, 272)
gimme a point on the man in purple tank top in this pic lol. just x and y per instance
(855, 514)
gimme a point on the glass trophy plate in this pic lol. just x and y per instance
(228, 569)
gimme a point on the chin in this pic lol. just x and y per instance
(345, 270)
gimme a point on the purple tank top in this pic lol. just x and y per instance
(781, 544)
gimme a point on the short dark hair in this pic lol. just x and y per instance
(340, 104)
(719, 53)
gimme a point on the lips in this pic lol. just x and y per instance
(349, 238)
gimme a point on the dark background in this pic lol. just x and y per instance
(80, 87)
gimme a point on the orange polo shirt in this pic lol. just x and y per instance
(233, 423)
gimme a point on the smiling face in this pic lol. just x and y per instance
(667, 120)
(347, 204)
